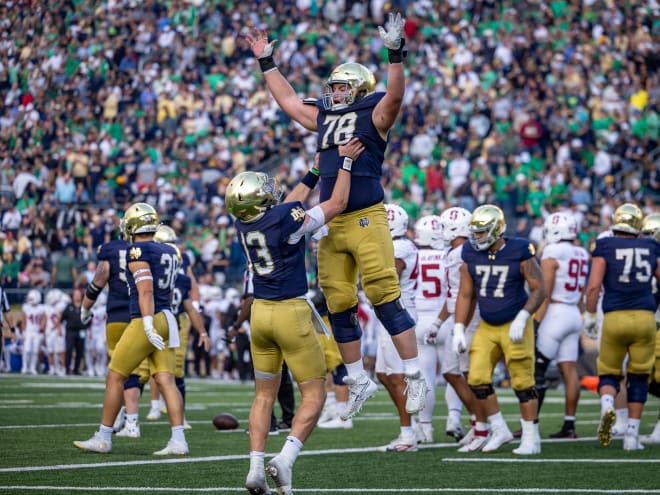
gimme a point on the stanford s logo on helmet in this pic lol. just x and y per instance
(559, 227)
(359, 81)
(398, 220)
(455, 222)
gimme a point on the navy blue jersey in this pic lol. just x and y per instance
(338, 127)
(114, 252)
(631, 264)
(181, 292)
(498, 279)
(165, 262)
(278, 267)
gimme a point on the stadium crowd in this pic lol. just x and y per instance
(529, 105)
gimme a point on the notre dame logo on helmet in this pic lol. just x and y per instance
(135, 253)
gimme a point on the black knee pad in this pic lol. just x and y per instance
(654, 388)
(638, 387)
(612, 380)
(181, 385)
(541, 364)
(526, 395)
(482, 392)
(133, 381)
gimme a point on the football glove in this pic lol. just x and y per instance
(394, 34)
(431, 333)
(154, 338)
(591, 325)
(458, 343)
(85, 315)
(518, 325)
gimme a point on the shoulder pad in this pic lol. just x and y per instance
(310, 101)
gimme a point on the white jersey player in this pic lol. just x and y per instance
(55, 334)
(389, 366)
(565, 268)
(431, 296)
(96, 355)
(32, 327)
(212, 301)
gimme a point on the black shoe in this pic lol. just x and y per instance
(517, 434)
(564, 433)
(284, 426)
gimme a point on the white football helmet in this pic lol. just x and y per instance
(455, 222)
(33, 297)
(559, 227)
(428, 232)
(398, 220)
(233, 296)
(53, 296)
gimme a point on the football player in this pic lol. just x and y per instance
(651, 228)
(359, 239)
(273, 237)
(431, 294)
(455, 231)
(33, 323)
(55, 340)
(564, 267)
(494, 273)
(624, 265)
(152, 269)
(389, 366)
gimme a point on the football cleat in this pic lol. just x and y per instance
(174, 447)
(565, 433)
(605, 427)
(280, 473)
(336, 424)
(619, 428)
(424, 432)
(163, 406)
(328, 413)
(154, 414)
(402, 443)
(654, 437)
(130, 430)
(120, 420)
(359, 390)
(256, 484)
(416, 390)
(94, 444)
(186, 425)
(454, 430)
(476, 443)
(498, 437)
(530, 442)
(468, 437)
(631, 442)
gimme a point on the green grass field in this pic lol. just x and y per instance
(40, 417)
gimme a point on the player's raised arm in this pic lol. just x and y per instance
(279, 87)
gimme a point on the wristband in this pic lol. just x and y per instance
(148, 323)
(347, 164)
(397, 56)
(315, 171)
(310, 179)
(93, 291)
(267, 64)
(438, 322)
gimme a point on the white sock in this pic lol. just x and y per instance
(291, 449)
(527, 427)
(633, 427)
(256, 461)
(132, 418)
(330, 399)
(355, 369)
(178, 433)
(155, 404)
(411, 366)
(497, 420)
(622, 415)
(454, 404)
(106, 433)
(606, 402)
(407, 431)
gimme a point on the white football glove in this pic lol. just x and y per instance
(85, 315)
(321, 232)
(154, 338)
(392, 36)
(431, 333)
(458, 343)
(518, 325)
(591, 325)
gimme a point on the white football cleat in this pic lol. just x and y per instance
(130, 430)
(424, 433)
(256, 484)
(468, 437)
(416, 390)
(154, 414)
(336, 424)
(119, 420)
(454, 430)
(328, 413)
(499, 435)
(163, 406)
(619, 429)
(605, 427)
(475, 444)
(530, 442)
(186, 425)
(402, 443)
(631, 442)
(174, 447)
(280, 472)
(359, 390)
(94, 444)
(654, 437)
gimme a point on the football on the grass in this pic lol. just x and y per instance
(225, 421)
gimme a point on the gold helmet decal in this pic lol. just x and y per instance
(628, 219)
(651, 226)
(489, 219)
(359, 80)
(250, 194)
(139, 218)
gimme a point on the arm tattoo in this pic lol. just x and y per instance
(534, 277)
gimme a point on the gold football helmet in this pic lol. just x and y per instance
(360, 81)
(628, 219)
(139, 218)
(250, 194)
(166, 235)
(651, 226)
(490, 219)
